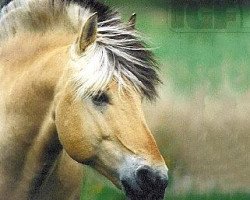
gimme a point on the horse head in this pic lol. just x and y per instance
(99, 117)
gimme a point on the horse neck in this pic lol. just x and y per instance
(28, 106)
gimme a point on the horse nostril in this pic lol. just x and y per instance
(144, 182)
(149, 178)
(146, 176)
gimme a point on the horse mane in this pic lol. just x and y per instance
(118, 53)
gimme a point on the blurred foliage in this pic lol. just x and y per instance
(191, 55)
(96, 187)
(131, 3)
(210, 196)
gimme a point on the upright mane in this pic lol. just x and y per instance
(118, 52)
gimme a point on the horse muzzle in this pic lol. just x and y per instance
(144, 183)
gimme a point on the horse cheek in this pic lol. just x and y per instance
(69, 123)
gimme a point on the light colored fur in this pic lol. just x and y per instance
(27, 90)
(95, 69)
(39, 111)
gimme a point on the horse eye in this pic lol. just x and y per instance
(101, 99)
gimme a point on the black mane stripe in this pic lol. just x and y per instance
(4, 3)
(95, 6)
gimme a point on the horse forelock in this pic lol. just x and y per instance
(117, 54)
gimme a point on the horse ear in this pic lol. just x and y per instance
(88, 33)
(132, 21)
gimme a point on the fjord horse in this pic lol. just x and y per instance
(72, 81)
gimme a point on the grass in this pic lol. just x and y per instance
(97, 188)
(210, 196)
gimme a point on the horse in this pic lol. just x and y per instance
(73, 77)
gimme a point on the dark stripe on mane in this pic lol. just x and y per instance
(4, 3)
(103, 10)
